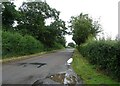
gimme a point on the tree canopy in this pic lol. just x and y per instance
(31, 18)
(82, 27)
(9, 14)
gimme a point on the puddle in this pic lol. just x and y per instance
(67, 78)
(37, 64)
(58, 78)
(64, 78)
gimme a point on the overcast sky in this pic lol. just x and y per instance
(106, 10)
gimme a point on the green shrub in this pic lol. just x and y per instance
(54, 47)
(10, 43)
(15, 44)
(105, 54)
(57, 46)
(29, 45)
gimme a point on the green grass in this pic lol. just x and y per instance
(88, 72)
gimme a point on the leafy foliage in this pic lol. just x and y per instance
(32, 20)
(104, 54)
(32, 32)
(16, 44)
(89, 74)
(9, 14)
(82, 27)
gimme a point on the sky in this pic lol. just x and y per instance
(106, 11)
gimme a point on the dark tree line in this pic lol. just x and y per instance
(31, 18)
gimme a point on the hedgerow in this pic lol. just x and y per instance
(105, 54)
(16, 44)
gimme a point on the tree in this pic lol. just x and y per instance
(71, 44)
(82, 27)
(32, 22)
(9, 14)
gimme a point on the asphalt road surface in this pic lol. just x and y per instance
(30, 70)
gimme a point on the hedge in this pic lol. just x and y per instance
(15, 44)
(105, 54)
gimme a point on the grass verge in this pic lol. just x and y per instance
(88, 72)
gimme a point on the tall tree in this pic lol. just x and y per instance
(9, 14)
(82, 27)
(32, 21)
(55, 31)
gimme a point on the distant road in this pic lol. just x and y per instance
(29, 70)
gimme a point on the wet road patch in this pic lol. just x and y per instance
(36, 64)
(64, 79)
(67, 78)
(58, 78)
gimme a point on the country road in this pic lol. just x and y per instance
(36, 68)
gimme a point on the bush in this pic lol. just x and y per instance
(15, 44)
(29, 45)
(58, 46)
(104, 54)
(10, 43)
(54, 47)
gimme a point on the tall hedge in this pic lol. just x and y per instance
(16, 44)
(104, 54)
